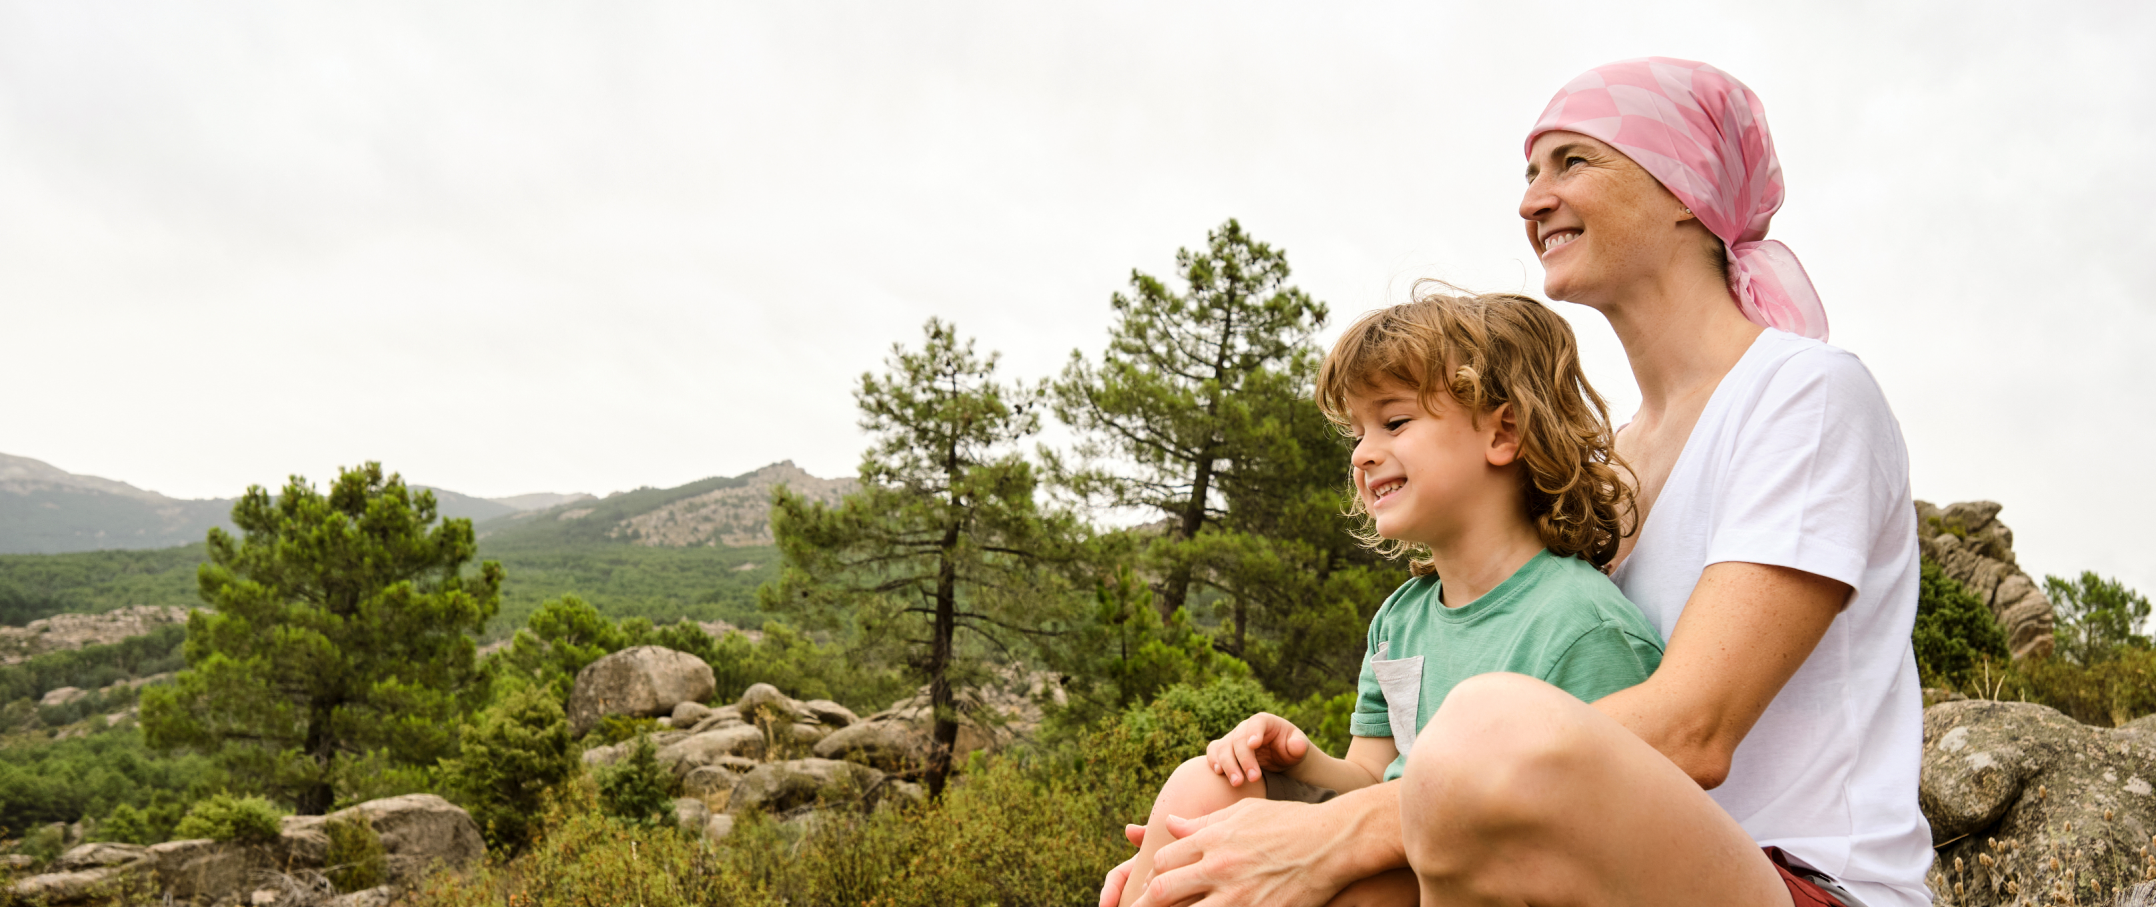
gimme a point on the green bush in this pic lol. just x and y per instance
(637, 789)
(519, 750)
(152, 823)
(1954, 631)
(356, 860)
(226, 817)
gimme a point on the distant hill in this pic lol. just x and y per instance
(48, 510)
(697, 550)
(717, 512)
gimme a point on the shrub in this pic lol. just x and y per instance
(356, 860)
(225, 817)
(1954, 631)
(519, 750)
(152, 823)
(2098, 618)
(638, 790)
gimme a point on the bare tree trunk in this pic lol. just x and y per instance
(1177, 588)
(316, 798)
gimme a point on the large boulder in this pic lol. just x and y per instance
(828, 713)
(2029, 806)
(643, 681)
(710, 746)
(1970, 545)
(691, 814)
(121, 873)
(890, 745)
(767, 698)
(419, 832)
(199, 869)
(777, 787)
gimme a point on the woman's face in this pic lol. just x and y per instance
(1599, 222)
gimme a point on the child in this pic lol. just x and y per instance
(1482, 452)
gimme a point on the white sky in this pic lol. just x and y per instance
(512, 247)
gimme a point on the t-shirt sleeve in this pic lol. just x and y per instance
(1815, 472)
(1371, 719)
(1602, 661)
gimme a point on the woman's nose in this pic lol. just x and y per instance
(1537, 202)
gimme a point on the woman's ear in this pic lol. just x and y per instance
(1504, 436)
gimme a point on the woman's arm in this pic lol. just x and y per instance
(1745, 631)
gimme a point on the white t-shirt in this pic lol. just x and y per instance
(1797, 462)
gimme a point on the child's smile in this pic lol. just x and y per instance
(1422, 473)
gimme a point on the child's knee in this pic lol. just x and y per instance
(1194, 789)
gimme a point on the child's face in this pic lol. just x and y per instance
(1425, 475)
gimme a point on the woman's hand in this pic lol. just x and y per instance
(1111, 889)
(1263, 742)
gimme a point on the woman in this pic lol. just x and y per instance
(1773, 758)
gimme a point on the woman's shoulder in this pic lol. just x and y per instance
(1797, 364)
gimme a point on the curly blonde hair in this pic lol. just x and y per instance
(1487, 351)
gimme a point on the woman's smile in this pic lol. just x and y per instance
(1558, 238)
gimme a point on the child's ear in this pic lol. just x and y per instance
(1504, 436)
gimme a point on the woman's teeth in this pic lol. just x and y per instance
(1557, 239)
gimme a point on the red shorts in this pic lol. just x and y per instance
(1802, 890)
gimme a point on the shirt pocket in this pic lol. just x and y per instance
(1401, 681)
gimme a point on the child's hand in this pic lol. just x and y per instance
(1263, 741)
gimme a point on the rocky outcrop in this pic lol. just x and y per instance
(419, 833)
(741, 741)
(645, 680)
(1969, 543)
(2028, 806)
(73, 631)
(778, 787)
(734, 516)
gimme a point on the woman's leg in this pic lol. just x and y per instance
(1193, 790)
(1518, 793)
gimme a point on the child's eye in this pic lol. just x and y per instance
(1394, 424)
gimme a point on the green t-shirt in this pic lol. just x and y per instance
(1556, 618)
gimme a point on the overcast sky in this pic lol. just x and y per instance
(515, 247)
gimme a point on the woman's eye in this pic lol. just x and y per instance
(1574, 159)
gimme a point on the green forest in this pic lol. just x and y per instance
(337, 653)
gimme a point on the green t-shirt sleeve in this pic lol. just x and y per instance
(1602, 661)
(1370, 718)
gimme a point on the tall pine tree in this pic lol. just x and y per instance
(1193, 387)
(944, 534)
(339, 630)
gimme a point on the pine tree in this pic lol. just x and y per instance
(944, 534)
(1192, 388)
(339, 627)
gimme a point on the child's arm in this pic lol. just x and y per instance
(1365, 765)
(1266, 742)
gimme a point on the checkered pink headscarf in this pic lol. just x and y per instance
(1704, 135)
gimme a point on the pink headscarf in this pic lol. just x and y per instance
(1704, 135)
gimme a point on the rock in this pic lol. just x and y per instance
(710, 746)
(62, 696)
(766, 696)
(16, 862)
(2013, 789)
(124, 883)
(645, 680)
(805, 735)
(74, 631)
(897, 792)
(1969, 543)
(892, 746)
(829, 713)
(777, 787)
(718, 827)
(419, 833)
(372, 897)
(687, 714)
(121, 873)
(101, 854)
(691, 814)
(711, 784)
(610, 754)
(199, 869)
(726, 716)
(263, 897)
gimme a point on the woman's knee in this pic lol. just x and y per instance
(1501, 751)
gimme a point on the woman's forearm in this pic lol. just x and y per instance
(1357, 834)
